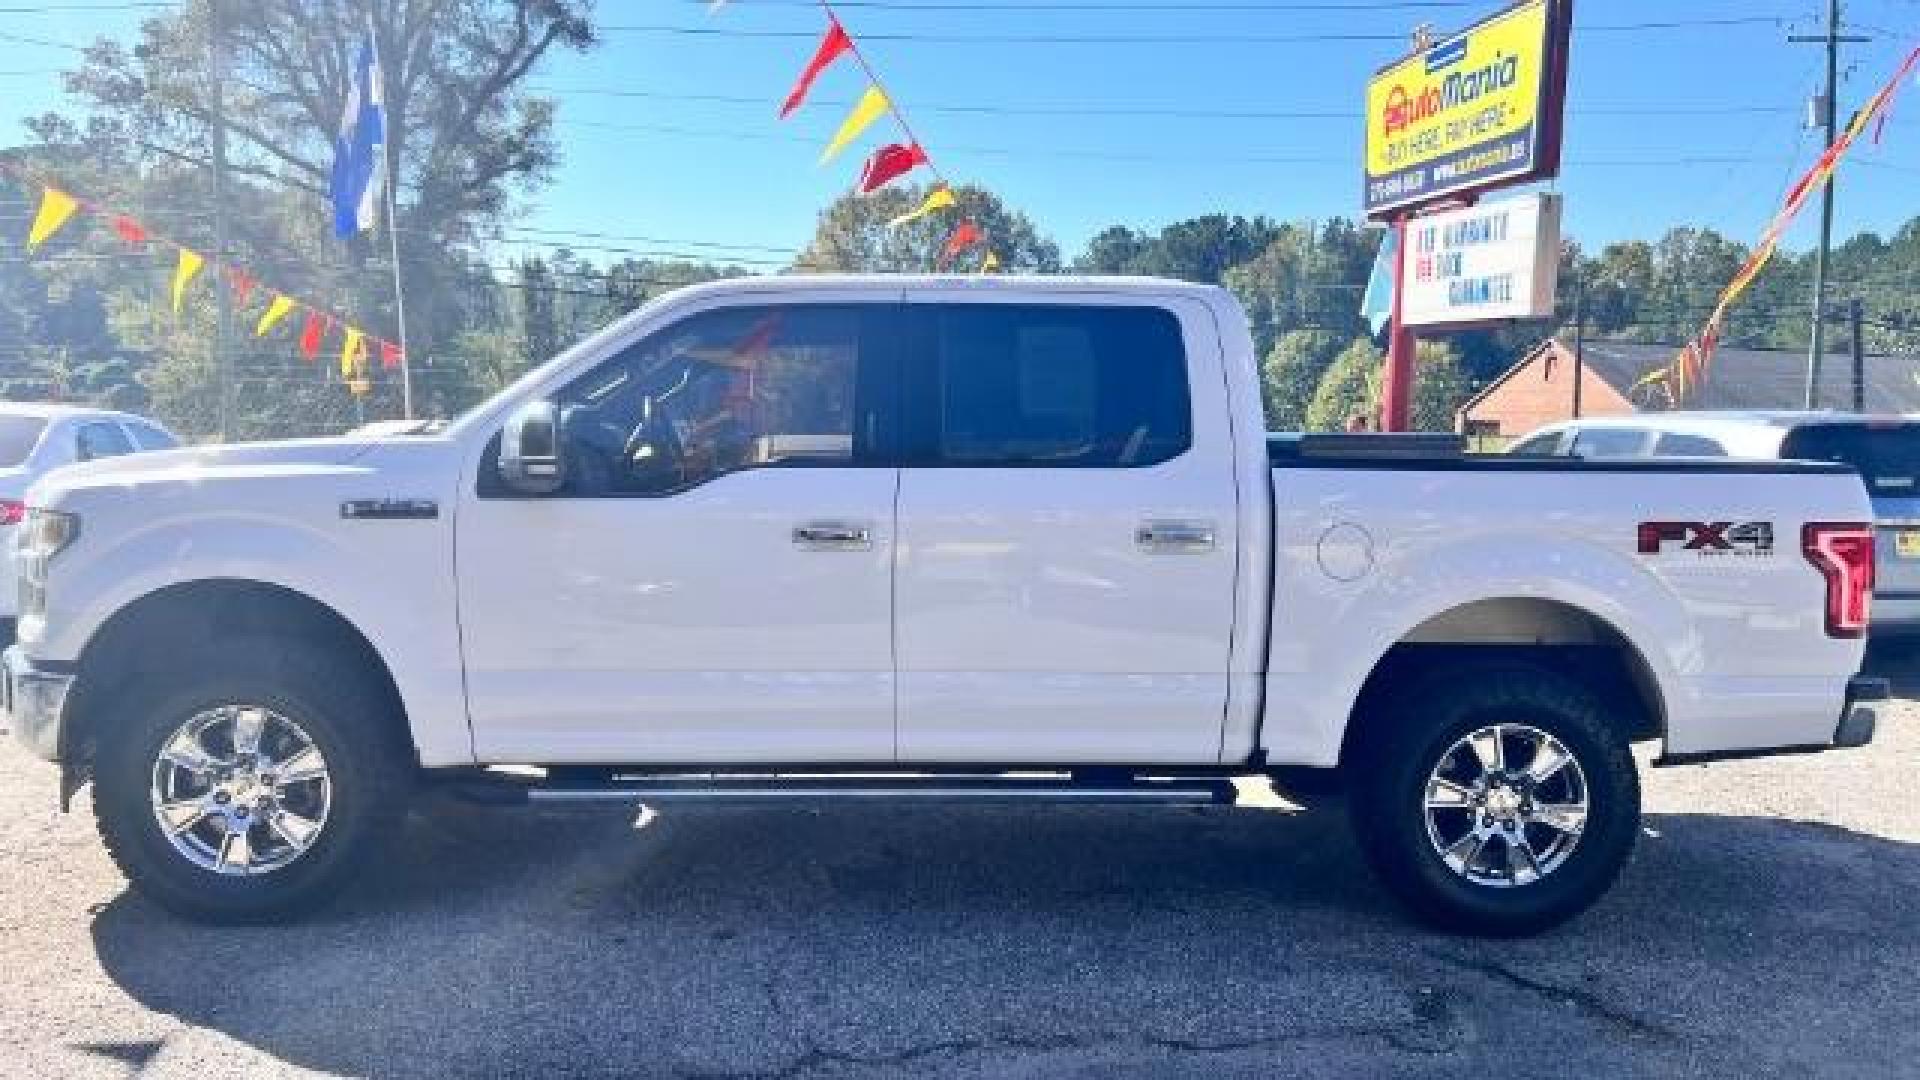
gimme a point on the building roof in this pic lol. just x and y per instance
(1760, 379)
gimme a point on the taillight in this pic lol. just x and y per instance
(11, 511)
(1843, 553)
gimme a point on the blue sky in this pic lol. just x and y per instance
(672, 135)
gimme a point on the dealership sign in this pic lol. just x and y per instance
(1499, 260)
(1474, 111)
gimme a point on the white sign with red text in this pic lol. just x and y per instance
(1497, 260)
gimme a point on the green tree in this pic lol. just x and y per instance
(466, 136)
(853, 235)
(1308, 276)
(1292, 373)
(1350, 387)
(1440, 386)
(1114, 250)
(1198, 249)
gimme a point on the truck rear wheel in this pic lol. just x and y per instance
(1497, 801)
(248, 786)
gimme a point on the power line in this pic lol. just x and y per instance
(1316, 113)
(1124, 155)
(1171, 39)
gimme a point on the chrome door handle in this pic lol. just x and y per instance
(1175, 535)
(833, 536)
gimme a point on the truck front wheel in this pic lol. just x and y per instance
(1498, 802)
(246, 787)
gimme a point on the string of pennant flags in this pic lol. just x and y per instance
(891, 160)
(1689, 369)
(277, 308)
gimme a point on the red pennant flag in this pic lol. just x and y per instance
(129, 230)
(832, 47)
(242, 284)
(964, 237)
(312, 334)
(888, 163)
(759, 336)
(389, 354)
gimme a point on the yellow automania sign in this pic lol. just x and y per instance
(1466, 113)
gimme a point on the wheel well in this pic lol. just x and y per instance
(151, 635)
(1520, 630)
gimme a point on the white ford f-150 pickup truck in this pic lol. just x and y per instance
(919, 539)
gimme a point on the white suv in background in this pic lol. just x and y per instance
(37, 438)
(1885, 450)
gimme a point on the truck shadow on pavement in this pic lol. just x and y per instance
(1046, 943)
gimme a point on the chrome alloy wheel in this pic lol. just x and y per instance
(241, 790)
(1506, 805)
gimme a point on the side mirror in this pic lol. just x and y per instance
(531, 462)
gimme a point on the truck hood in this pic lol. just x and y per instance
(199, 463)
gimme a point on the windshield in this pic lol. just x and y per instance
(1888, 457)
(18, 436)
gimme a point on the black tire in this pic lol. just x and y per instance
(1399, 749)
(347, 715)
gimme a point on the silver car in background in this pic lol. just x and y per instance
(1885, 449)
(37, 438)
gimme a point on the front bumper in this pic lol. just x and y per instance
(35, 699)
(1868, 699)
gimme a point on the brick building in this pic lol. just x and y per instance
(1539, 389)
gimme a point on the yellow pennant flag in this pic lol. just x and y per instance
(280, 307)
(56, 207)
(991, 263)
(939, 198)
(183, 272)
(349, 354)
(871, 105)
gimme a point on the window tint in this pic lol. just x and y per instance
(148, 437)
(18, 436)
(1547, 443)
(1609, 443)
(716, 393)
(1888, 457)
(1052, 386)
(1675, 444)
(102, 440)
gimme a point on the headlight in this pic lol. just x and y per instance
(44, 534)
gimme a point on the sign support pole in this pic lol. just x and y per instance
(1396, 384)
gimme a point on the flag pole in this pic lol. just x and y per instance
(391, 180)
(399, 295)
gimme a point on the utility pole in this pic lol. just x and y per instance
(222, 357)
(1854, 318)
(1579, 342)
(1828, 105)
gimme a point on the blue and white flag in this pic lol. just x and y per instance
(359, 152)
(1377, 305)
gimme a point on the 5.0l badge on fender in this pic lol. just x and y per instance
(1708, 539)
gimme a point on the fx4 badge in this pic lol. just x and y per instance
(1729, 539)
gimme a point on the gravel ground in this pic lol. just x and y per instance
(1768, 925)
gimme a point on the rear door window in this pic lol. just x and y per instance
(1610, 443)
(1678, 444)
(1546, 444)
(1888, 457)
(147, 437)
(102, 440)
(1024, 386)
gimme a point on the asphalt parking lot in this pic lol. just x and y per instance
(1769, 925)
